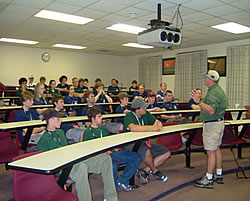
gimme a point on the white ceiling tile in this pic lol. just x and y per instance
(102, 5)
(151, 5)
(196, 17)
(228, 1)
(125, 2)
(213, 21)
(94, 14)
(243, 4)
(132, 10)
(20, 11)
(81, 3)
(62, 7)
(137, 22)
(221, 10)
(237, 16)
(115, 18)
(202, 5)
(32, 4)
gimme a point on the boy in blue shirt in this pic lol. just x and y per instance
(28, 114)
(123, 107)
(131, 159)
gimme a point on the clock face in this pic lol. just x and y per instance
(45, 57)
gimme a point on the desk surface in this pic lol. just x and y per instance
(52, 161)
(37, 123)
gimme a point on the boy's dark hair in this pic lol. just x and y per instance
(70, 85)
(92, 112)
(56, 98)
(163, 83)
(87, 93)
(117, 82)
(25, 96)
(81, 80)
(123, 95)
(134, 82)
(22, 80)
(98, 80)
(51, 81)
(198, 89)
(42, 78)
(86, 80)
(99, 84)
(62, 77)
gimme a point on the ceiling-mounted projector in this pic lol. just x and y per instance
(160, 37)
(161, 33)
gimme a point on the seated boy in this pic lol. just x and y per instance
(131, 159)
(113, 127)
(100, 164)
(28, 114)
(102, 97)
(73, 133)
(123, 107)
(153, 105)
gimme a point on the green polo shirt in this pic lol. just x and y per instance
(216, 98)
(93, 133)
(146, 119)
(52, 140)
(55, 92)
(78, 90)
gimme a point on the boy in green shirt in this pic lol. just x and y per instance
(131, 159)
(54, 138)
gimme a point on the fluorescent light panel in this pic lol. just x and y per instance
(69, 46)
(52, 15)
(232, 27)
(126, 28)
(13, 40)
(137, 45)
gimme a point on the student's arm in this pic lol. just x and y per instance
(139, 128)
(110, 100)
(34, 131)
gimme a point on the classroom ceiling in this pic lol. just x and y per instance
(17, 21)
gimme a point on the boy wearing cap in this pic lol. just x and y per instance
(153, 155)
(131, 159)
(31, 83)
(153, 105)
(213, 108)
(101, 164)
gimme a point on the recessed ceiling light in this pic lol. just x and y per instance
(69, 46)
(126, 28)
(232, 27)
(13, 40)
(52, 15)
(137, 45)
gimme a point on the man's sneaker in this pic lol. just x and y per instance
(159, 176)
(204, 182)
(142, 175)
(218, 179)
(125, 187)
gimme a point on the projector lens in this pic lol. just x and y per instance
(163, 35)
(170, 37)
(176, 38)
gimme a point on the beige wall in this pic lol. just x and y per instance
(219, 49)
(17, 61)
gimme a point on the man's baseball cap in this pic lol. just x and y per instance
(212, 75)
(139, 103)
(51, 112)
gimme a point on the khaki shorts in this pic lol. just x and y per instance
(212, 134)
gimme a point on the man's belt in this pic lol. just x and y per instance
(221, 119)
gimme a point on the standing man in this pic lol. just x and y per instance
(212, 112)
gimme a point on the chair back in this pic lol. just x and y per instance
(31, 186)
(8, 149)
(197, 140)
(172, 141)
